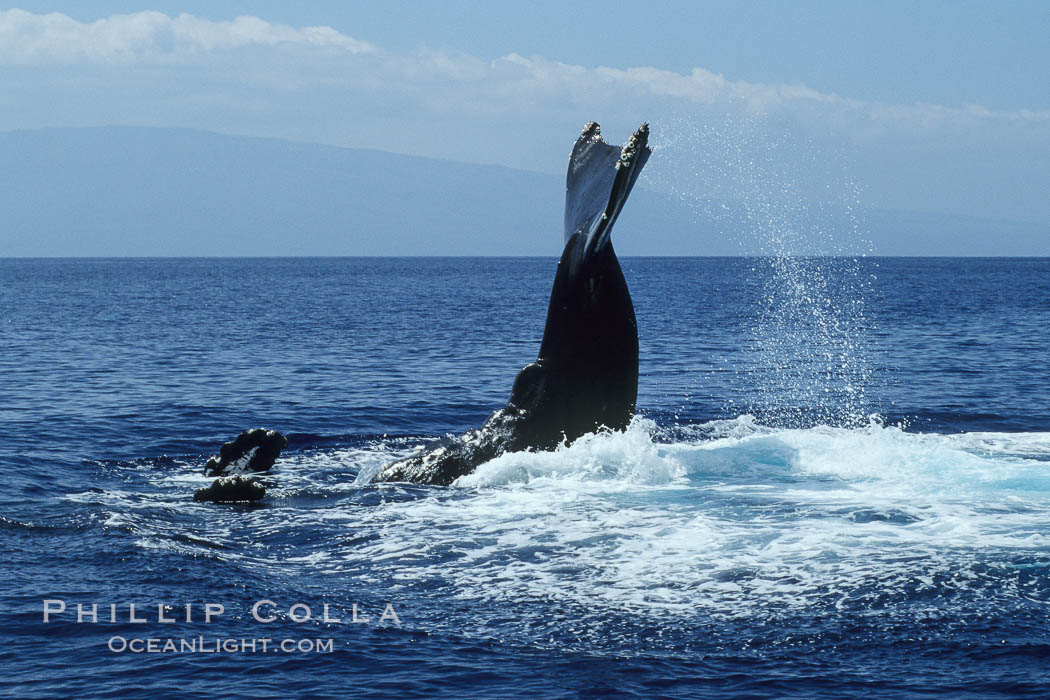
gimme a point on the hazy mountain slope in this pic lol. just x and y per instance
(115, 191)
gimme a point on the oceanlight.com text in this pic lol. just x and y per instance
(217, 645)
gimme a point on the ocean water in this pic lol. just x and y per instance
(838, 482)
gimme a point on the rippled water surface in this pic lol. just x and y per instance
(838, 483)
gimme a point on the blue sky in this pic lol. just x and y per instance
(927, 106)
(951, 52)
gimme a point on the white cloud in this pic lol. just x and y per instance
(27, 38)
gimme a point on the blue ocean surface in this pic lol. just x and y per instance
(838, 483)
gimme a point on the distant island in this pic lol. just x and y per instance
(136, 191)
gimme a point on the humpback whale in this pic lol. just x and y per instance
(253, 451)
(585, 377)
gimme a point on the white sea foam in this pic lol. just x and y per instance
(744, 517)
(728, 518)
(629, 457)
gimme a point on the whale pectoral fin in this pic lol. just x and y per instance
(251, 451)
(599, 179)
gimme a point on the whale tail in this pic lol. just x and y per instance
(586, 374)
(590, 339)
(599, 179)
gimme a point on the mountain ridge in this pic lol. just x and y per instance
(116, 191)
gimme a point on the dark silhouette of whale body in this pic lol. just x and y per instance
(586, 375)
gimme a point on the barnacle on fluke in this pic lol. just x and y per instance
(630, 149)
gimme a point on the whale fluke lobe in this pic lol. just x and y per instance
(251, 451)
(600, 178)
(231, 489)
(586, 375)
